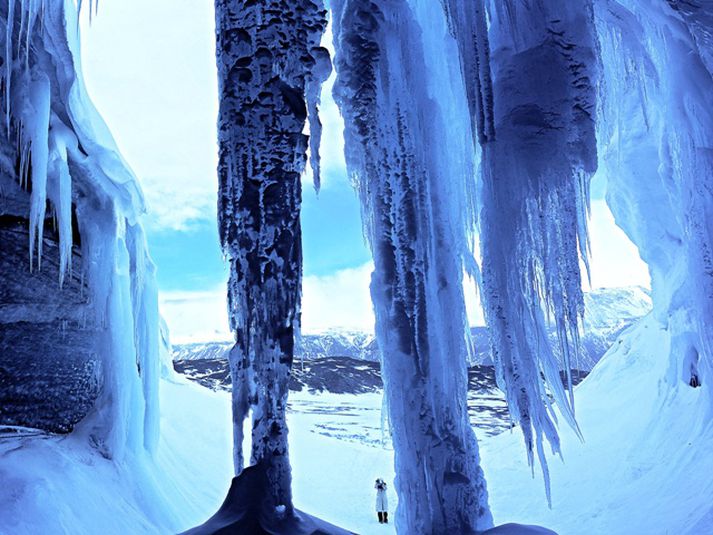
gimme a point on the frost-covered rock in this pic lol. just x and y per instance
(248, 509)
(50, 371)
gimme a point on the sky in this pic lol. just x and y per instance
(149, 67)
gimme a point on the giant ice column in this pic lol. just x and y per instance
(409, 151)
(64, 164)
(538, 153)
(656, 134)
(269, 62)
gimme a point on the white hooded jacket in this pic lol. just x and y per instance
(382, 502)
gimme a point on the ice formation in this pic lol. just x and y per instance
(551, 90)
(67, 157)
(536, 126)
(656, 137)
(269, 63)
(530, 79)
(411, 157)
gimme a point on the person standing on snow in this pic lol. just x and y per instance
(382, 502)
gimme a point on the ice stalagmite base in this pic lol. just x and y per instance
(269, 61)
(410, 159)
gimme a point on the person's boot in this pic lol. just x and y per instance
(381, 517)
(386, 517)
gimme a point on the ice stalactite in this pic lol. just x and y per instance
(538, 153)
(60, 190)
(147, 322)
(409, 150)
(269, 61)
(319, 75)
(68, 157)
(468, 25)
(656, 137)
(35, 129)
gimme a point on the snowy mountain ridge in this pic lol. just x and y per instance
(608, 312)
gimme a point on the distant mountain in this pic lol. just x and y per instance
(201, 351)
(344, 375)
(356, 345)
(608, 312)
(338, 375)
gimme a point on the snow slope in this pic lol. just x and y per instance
(54, 485)
(645, 464)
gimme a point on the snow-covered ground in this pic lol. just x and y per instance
(644, 467)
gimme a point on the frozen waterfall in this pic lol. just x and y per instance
(535, 170)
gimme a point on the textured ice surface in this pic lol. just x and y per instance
(410, 158)
(270, 68)
(535, 173)
(656, 136)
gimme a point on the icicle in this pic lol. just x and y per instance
(384, 421)
(320, 73)
(9, 31)
(533, 221)
(146, 333)
(408, 146)
(468, 25)
(37, 130)
(61, 192)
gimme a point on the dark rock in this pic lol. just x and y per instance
(49, 368)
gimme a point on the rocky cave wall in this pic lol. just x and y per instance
(49, 367)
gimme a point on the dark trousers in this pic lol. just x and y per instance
(383, 517)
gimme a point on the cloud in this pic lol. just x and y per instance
(615, 260)
(157, 91)
(196, 316)
(338, 301)
(341, 300)
(172, 206)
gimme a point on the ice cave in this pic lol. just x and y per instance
(264, 264)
